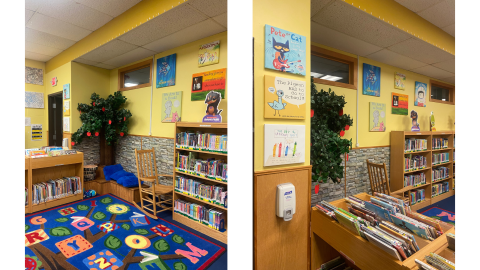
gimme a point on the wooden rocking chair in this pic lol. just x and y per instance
(147, 171)
(379, 180)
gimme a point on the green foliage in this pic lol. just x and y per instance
(161, 245)
(125, 226)
(99, 216)
(82, 207)
(141, 231)
(60, 231)
(103, 115)
(178, 239)
(27, 227)
(62, 219)
(106, 200)
(326, 125)
(112, 242)
(179, 266)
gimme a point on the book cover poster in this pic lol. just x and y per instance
(66, 107)
(371, 80)
(66, 124)
(66, 91)
(284, 144)
(285, 51)
(420, 94)
(171, 107)
(209, 54)
(399, 104)
(377, 116)
(400, 81)
(203, 83)
(166, 69)
(284, 98)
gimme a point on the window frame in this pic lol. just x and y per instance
(342, 58)
(137, 66)
(451, 92)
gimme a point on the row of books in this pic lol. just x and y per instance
(210, 217)
(440, 188)
(56, 189)
(439, 173)
(435, 262)
(210, 168)
(417, 179)
(335, 264)
(48, 151)
(417, 196)
(439, 143)
(199, 190)
(413, 163)
(440, 158)
(202, 141)
(414, 145)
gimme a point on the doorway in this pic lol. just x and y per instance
(55, 119)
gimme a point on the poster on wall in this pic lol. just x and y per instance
(66, 107)
(399, 104)
(378, 116)
(400, 81)
(285, 51)
(34, 75)
(66, 91)
(420, 94)
(171, 107)
(284, 144)
(284, 98)
(166, 70)
(203, 83)
(34, 100)
(212, 113)
(371, 80)
(209, 54)
(66, 124)
(28, 121)
(36, 132)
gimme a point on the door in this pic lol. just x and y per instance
(55, 119)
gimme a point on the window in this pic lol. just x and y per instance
(135, 76)
(333, 68)
(442, 93)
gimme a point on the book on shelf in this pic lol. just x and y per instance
(211, 217)
(56, 189)
(415, 162)
(200, 190)
(440, 188)
(440, 173)
(417, 196)
(415, 145)
(440, 158)
(439, 143)
(451, 241)
(414, 180)
(202, 141)
(438, 262)
(216, 169)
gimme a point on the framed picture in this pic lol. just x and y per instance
(204, 82)
(171, 107)
(377, 117)
(284, 98)
(66, 107)
(399, 104)
(371, 80)
(284, 144)
(285, 50)
(420, 94)
(400, 81)
(166, 69)
(209, 54)
(66, 91)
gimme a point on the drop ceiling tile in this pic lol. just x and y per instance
(395, 59)
(316, 5)
(32, 5)
(105, 66)
(41, 49)
(174, 20)
(49, 40)
(222, 19)
(449, 80)
(57, 27)
(433, 72)
(110, 7)
(211, 8)
(198, 31)
(129, 57)
(335, 39)
(441, 15)
(74, 13)
(354, 22)
(416, 5)
(37, 56)
(448, 65)
(28, 15)
(421, 51)
(85, 61)
(108, 51)
(450, 30)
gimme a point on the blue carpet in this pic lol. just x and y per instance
(443, 210)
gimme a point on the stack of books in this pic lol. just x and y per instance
(202, 141)
(440, 188)
(415, 145)
(48, 151)
(197, 189)
(417, 196)
(414, 180)
(440, 158)
(210, 217)
(56, 189)
(413, 163)
(439, 143)
(439, 173)
(435, 262)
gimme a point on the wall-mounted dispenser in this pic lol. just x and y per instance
(285, 204)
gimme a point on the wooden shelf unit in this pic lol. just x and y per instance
(43, 169)
(397, 164)
(219, 129)
(330, 239)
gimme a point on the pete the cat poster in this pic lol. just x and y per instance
(285, 51)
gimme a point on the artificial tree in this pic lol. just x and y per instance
(328, 125)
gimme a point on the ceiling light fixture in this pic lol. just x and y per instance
(331, 78)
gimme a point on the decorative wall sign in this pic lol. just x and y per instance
(54, 81)
(415, 125)
(371, 80)
(399, 104)
(377, 116)
(400, 81)
(66, 107)
(33, 75)
(285, 51)
(66, 124)
(213, 100)
(420, 94)
(66, 91)
(209, 54)
(36, 132)
(203, 83)
(171, 107)
(284, 98)
(34, 100)
(166, 70)
(284, 144)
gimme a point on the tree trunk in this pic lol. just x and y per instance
(50, 260)
(107, 152)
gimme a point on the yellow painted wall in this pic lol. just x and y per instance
(64, 76)
(138, 100)
(266, 12)
(37, 116)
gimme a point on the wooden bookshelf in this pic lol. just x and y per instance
(220, 129)
(397, 164)
(28, 179)
(329, 239)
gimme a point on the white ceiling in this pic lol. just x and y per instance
(337, 24)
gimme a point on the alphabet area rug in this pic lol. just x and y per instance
(108, 233)
(440, 214)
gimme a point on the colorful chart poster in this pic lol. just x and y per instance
(284, 144)
(171, 107)
(400, 81)
(166, 69)
(66, 107)
(66, 91)
(377, 116)
(399, 104)
(209, 54)
(285, 51)
(284, 98)
(37, 132)
(371, 80)
(202, 83)
(420, 94)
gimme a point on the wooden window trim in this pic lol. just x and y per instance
(451, 92)
(121, 72)
(331, 55)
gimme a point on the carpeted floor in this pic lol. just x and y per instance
(443, 210)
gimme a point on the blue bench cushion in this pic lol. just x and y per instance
(120, 174)
(108, 171)
(128, 181)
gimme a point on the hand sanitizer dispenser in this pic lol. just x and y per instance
(285, 204)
